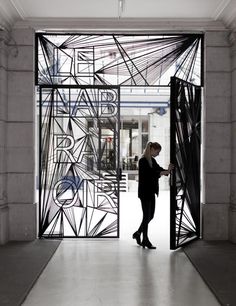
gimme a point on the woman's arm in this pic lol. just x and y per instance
(167, 172)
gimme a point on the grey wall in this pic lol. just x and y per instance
(20, 157)
(217, 136)
(3, 118)
(232, 223)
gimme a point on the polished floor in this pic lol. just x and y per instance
(117, 272)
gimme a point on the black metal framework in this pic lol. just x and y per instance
(118, 59)
(79, 78)
(79, 161)
(185, 154)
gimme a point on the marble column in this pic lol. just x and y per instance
(20, 136)
(216, 136)
(4, 234)
(232, 212)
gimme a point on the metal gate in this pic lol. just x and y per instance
(185, 155)
(79, 161)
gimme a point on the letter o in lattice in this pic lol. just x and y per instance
(62, 190)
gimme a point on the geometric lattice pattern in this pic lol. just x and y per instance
(79, 158)
(79, 77)
(125, 60)
(185, 154)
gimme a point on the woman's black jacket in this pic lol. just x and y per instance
(148, 183)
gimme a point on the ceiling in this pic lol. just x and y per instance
(48, 12)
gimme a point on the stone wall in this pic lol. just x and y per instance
(20, 136)
(232, 215)
(4, 234)
(216, 136)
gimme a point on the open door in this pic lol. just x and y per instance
(185, 155)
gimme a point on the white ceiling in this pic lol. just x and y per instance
(15, 12)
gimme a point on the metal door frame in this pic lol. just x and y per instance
(185, 178)
(109, 187)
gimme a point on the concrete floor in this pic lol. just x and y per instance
(117, 272)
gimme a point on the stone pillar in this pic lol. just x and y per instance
(20, 136)
(216, 136)
(3, 116)
(232, 212)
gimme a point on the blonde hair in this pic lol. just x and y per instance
(147, 151)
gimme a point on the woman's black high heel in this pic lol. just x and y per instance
(148, 245)
(136, 236)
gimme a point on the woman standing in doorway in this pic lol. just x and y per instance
(148, 185)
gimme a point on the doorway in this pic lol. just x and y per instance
(141, 66)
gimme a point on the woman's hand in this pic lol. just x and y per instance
(167, 172)
(170, 167)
